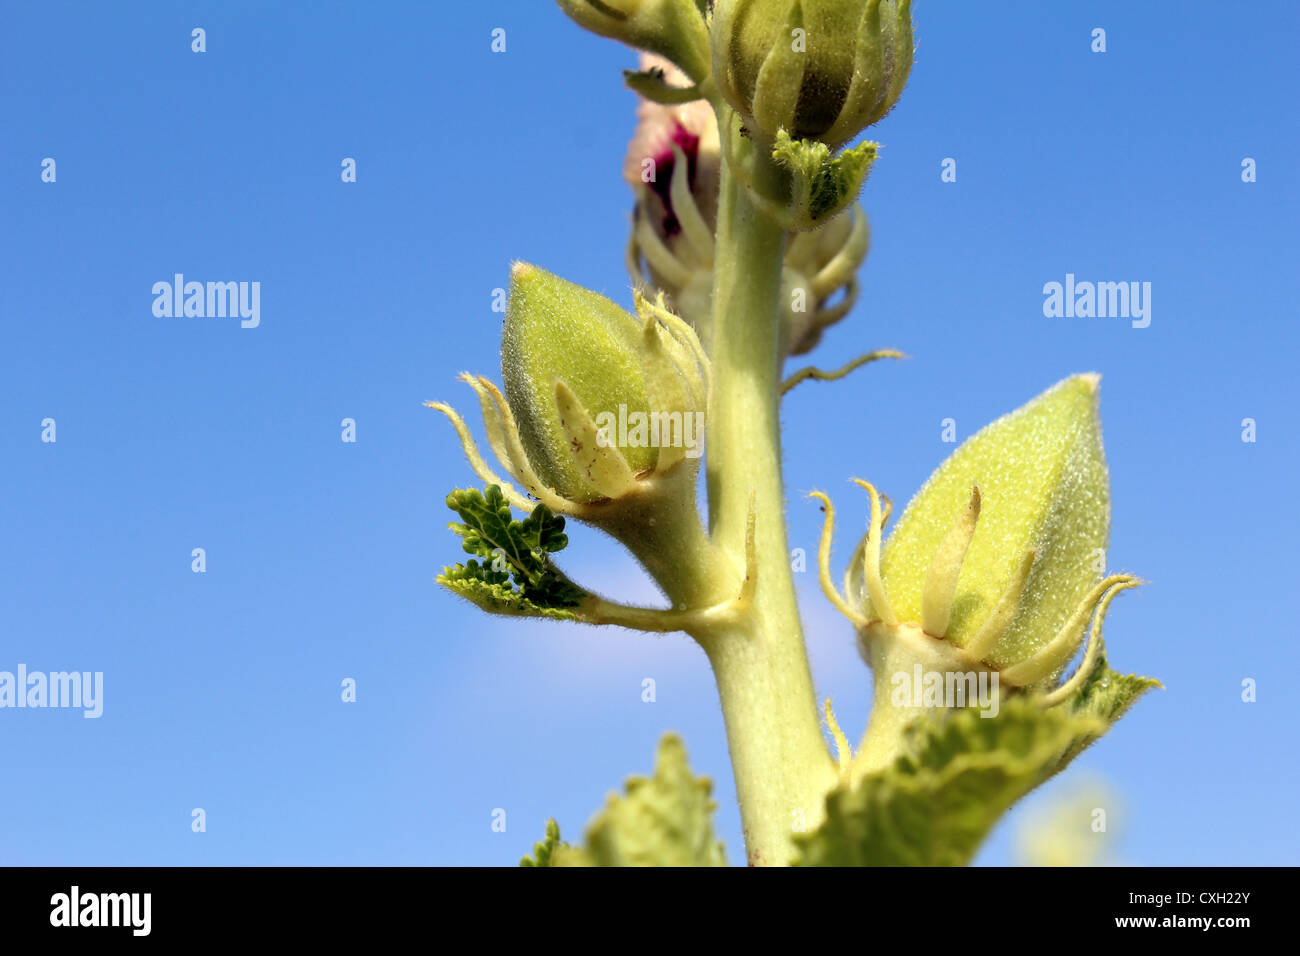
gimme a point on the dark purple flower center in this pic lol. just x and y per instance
(689, 144)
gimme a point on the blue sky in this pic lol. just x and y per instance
(221, 689)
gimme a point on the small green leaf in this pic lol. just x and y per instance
(822, 186)
(1107, 695)
(544, 851)
(469, 581)
(664, 820)
(516, 574)
(937, 803)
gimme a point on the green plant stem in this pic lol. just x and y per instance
(661, 526)
(897, 651)
(780, 760)
(885, 738)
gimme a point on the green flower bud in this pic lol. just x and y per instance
(597, 403)
(819, 69)
(999, 556)
(672, 28)
(1043, 487)
(558, 332)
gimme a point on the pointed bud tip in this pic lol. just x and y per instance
(1090, 380)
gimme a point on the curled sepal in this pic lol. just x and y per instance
(512, 571)
(957, 775)
(652, 84)
(821, 185)
(662, 820)
(882, 64)
(672, 28)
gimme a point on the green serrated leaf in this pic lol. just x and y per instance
(839, 182)
(498, 598)
(663, 820)
(1107, 695)
(821, 186)
(516, 575)
(545, 850)
(935, 805)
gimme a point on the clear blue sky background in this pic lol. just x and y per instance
(222, 689)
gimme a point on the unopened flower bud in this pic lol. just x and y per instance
(819, 69)
(999, 557)
(559, 335)
(990, 581)
(597, 402)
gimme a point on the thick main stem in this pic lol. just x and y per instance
(781, 764)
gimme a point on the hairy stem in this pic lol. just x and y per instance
(885, 739)
(661, 526)
(782, 767)
(897, 653)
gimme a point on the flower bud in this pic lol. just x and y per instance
(819, 69)
(560, 336)
(1000, 554)
(597, 404)
(674, 166)
(1042, 487)
(819, 285)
